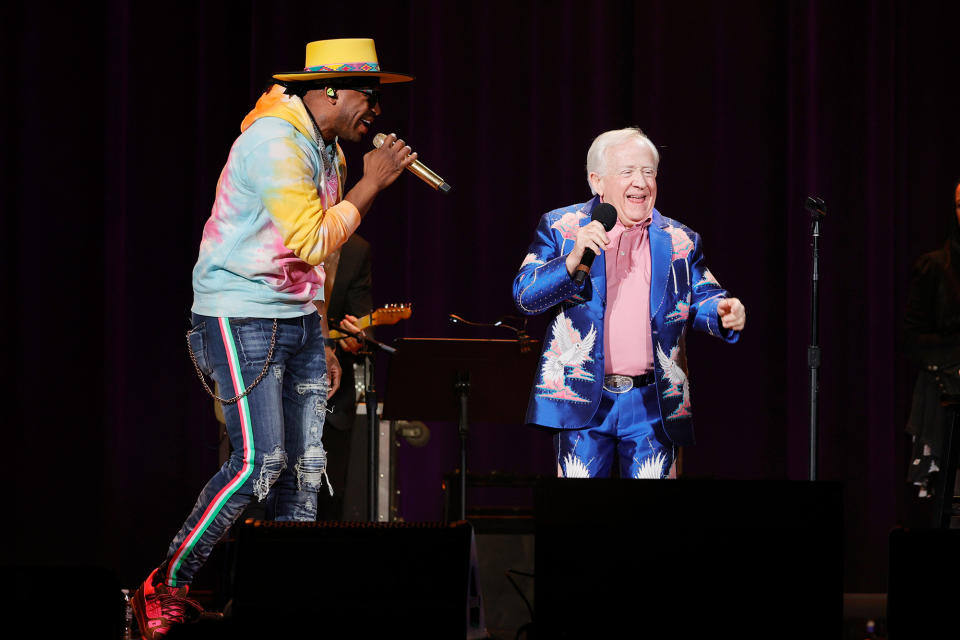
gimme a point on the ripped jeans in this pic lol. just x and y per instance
(275, 430)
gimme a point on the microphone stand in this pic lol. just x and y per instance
(461, 387)
(373, 420)
(462, 390)
(817, 210)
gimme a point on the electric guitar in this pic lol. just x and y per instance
(390, 314)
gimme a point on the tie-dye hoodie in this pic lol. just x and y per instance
(278, 213)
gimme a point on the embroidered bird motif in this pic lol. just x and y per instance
(574, 467)
(568, 349)
(678, 378)
(652, 467)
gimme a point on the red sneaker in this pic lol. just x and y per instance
(158, 607)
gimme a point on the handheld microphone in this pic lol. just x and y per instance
(419, 169)
(607, 215)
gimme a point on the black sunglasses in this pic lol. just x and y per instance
(373, 96)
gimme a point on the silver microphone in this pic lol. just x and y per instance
(418, 169)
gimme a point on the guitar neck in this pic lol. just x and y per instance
(391, 314)
(365, 321)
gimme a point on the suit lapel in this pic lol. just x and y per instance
(598, 270)
(598, 273)
(661, 250)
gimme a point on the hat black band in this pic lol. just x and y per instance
(300, 87)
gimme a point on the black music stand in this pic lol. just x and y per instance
(436, 378)
(373, 421)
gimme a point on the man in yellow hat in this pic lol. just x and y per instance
(280, 209)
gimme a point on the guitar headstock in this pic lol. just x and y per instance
(391, 314)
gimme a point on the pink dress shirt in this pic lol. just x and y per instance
(627, 343)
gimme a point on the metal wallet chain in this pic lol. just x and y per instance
(266, 367)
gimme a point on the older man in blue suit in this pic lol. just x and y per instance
(612, 380)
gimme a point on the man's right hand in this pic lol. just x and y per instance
(383, 165)
(380, 168)
(350, 343)
(590, 236)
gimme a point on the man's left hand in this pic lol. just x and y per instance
(333, 371)
(733, 315)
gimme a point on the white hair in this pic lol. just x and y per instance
(597, 154)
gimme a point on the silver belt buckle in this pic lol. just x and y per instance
(616, 383)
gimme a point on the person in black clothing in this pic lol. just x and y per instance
(350, 297)
(932, 339)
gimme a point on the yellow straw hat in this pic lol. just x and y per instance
(342, 58)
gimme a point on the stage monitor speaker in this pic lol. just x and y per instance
(506, 575)
(357, 578)
(924, 586)
(50, 601)
(688, 558)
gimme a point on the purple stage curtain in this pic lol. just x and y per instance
(118, 117)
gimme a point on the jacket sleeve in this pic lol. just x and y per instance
(358, 299)
(706, 294)
(281, 172)
(543, 281)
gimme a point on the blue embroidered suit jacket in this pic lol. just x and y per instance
(683, 293)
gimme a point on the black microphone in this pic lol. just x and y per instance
(816, 206)
(607, 215)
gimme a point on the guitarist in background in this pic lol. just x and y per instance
(349, 295)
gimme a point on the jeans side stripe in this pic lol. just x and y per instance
(213, 509)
